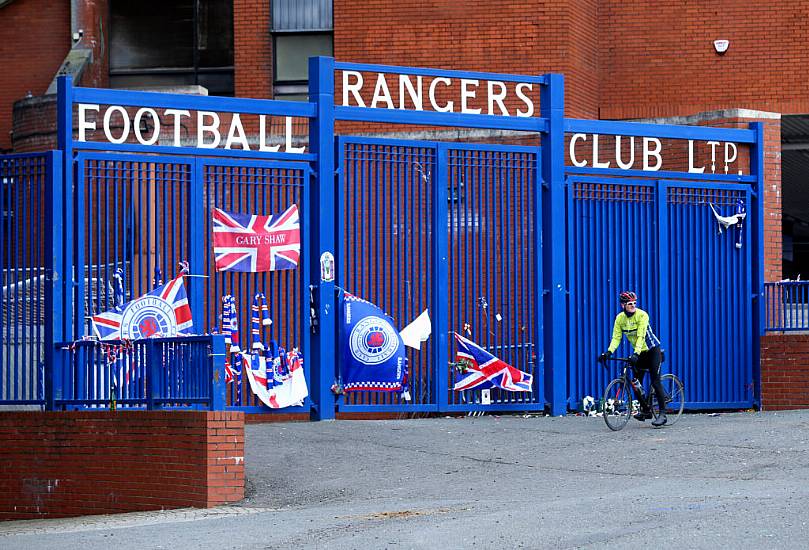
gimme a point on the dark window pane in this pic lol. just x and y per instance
(150, 36)
(151, 33)
(151, 81)
(219, 83)
(294, 15)
(292, 53)
(215, 34)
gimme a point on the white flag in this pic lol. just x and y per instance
(417, 331)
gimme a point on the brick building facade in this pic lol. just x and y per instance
(621, 60)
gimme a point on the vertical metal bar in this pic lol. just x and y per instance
(321, 218)
(553, 223)
(19, 238)
(440, 270)
(217, 363)
(575, 284)
(64, 139)
(54, 329)
(153, 375)
(755, 265)
(197, 228)
(6, 172)
(466, 161)
(26, 233)
(664, 295)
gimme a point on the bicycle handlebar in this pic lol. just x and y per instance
(619, 359)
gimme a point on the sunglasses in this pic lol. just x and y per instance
(630, 304)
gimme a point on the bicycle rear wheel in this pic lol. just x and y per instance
(676, 403)
(617, 404)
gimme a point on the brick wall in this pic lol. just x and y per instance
(784, 371)
(621, 59)
(36, 38)
(521, 37)
(34, 126)
(658, 58)
(252, 48)
(59, 464)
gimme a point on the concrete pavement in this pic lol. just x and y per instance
(737, 480)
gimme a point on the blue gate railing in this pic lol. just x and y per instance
(27, 263)
(786, 306)
(509, 241)
(487, 226)
(152, 373)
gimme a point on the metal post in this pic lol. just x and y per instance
(440, 278)
(664, 294)
(64, 137)
(198, 227)
(757, 316)
(153, 376)
(554, 239)
(53, 274)
(321, 222)
(217, 361)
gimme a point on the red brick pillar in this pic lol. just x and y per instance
(60, 464)
(225, 457)
(784, 371)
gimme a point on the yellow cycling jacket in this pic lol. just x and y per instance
(637, 330)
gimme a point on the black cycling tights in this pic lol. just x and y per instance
(650, 360)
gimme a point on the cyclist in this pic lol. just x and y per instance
(647, 355)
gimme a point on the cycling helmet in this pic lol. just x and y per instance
(627, 296)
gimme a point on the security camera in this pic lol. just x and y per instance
(78, 35)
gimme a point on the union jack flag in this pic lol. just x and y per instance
(253, 243)
(161, 312)
(484, 370)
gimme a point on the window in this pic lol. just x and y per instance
(172, 43)
(300, 30)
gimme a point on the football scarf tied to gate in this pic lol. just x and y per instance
(253, 243)
(230, 328)
(259, 304)
(275, 375)
(374, 356)
(278, 382)
(230, 323)
(484, 370)
(163, 312)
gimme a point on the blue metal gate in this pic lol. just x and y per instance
(25, 244)
(508, 245)
(142, 213)
(660, 239)
(391, 195)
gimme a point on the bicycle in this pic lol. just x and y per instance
(617, 406)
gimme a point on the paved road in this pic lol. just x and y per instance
(730, 481)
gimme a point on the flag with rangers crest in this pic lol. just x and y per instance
(163, 312)
(484, 370)
(374, 357)
(253, 243)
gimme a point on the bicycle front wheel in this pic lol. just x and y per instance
(675, 402)
(617, 404)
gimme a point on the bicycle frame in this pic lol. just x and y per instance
(642, 395)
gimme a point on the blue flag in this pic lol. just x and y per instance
(373, 352)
